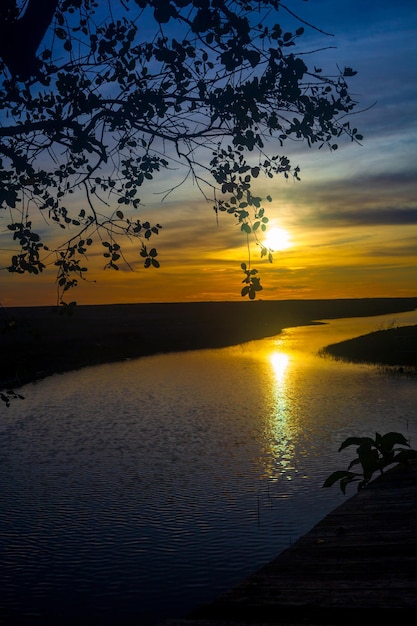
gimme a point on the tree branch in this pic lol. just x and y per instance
(20, 38)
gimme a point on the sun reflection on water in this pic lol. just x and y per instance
(279, 433)
(279, 362)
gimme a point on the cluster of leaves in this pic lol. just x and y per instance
(99, 99)
(373, 455)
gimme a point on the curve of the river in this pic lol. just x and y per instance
(137, 490)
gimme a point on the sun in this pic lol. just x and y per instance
(277, 239)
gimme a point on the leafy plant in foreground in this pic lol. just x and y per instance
(373, 455)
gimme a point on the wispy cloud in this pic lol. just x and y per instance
(364, 216)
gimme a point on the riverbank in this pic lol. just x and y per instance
(394, 347)
(38, 341)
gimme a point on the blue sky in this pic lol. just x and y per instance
(353, 216)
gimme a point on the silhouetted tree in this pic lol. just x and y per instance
(99, 98)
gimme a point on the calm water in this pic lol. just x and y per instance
(137, 491)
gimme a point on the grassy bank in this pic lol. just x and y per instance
(396, 347)
(37, 342)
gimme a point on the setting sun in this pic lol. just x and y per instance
(277, 239)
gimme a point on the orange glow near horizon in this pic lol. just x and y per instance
(344, 244)
(201, 262)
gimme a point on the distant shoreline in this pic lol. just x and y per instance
(37, 342)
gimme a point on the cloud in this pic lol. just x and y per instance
(403, 248)
(384, 199)
(363, 216)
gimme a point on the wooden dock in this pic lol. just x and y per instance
(363, 555)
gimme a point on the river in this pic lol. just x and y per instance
(135, 491)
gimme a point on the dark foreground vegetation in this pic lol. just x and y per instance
(36, 342)
(394, 347)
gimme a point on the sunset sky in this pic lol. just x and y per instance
(351, 220)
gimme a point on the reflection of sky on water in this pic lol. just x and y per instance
(299, 406)
(142, 476)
